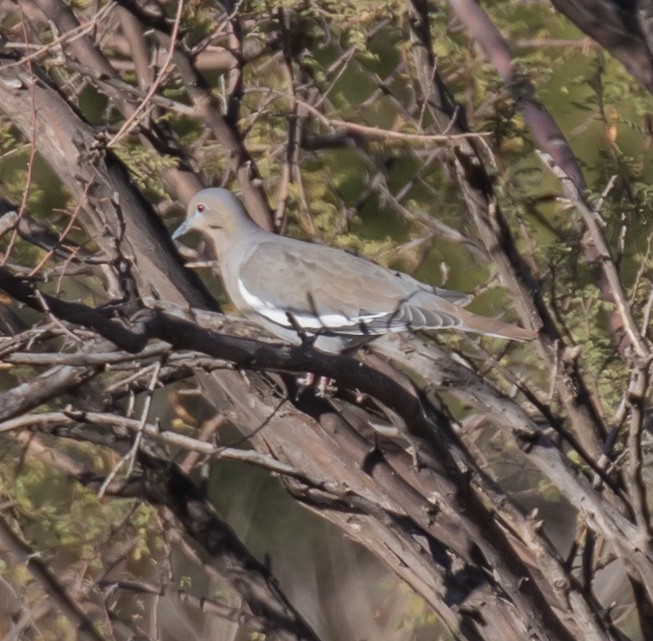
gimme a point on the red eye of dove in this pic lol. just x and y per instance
(201, 208)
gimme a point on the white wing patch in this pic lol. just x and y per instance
(333, 321)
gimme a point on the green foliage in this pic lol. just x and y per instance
(353, 61)
(9, 141)
(146, 167)
(68, 524)
(417, 615)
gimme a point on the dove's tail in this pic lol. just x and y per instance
(477, 324)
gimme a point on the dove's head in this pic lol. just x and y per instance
(218, 215)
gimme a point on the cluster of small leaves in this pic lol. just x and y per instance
(9, 142)
(199, 20)
(74, 532)
(586, 322)
(146, 167)
(51, 508)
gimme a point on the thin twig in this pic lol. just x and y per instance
(130, 123)
(369, 131)
(69, 36)
(593, 223)
(130, 457)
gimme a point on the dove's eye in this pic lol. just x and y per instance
(201, 208)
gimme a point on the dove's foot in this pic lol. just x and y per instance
(324, 387)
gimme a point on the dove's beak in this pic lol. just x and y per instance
(182, 229)
(187, 225)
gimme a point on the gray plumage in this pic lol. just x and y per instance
(338, 297)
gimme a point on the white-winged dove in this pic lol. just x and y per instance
(336, 298)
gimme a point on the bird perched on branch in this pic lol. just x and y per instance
(303, 291)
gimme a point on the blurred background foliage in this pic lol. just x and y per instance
(378, 197)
